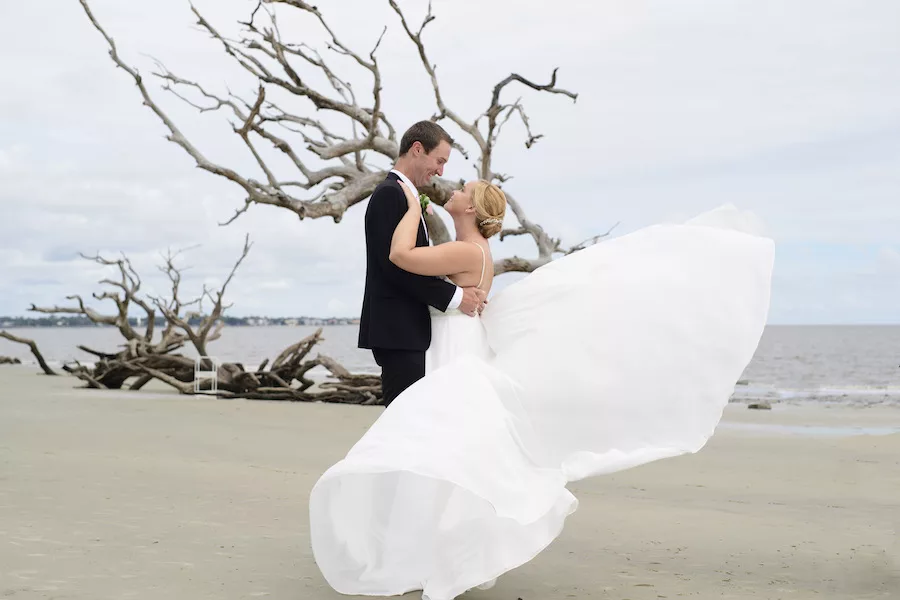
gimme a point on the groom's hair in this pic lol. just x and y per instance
(427, 133)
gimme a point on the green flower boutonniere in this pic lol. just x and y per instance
(425, 201)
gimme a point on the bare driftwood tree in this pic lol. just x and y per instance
(34, 350)
(302, 131)
(145, 355)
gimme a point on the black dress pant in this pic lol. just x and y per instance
(399, 370)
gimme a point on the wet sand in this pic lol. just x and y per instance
(149, 495)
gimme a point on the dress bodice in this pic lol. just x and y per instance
(455, 311)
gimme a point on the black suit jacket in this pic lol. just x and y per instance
(395, 303)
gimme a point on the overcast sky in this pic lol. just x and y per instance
(788, 109)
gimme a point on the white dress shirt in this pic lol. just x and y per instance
(457, 297)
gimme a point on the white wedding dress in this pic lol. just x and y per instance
(609, 358)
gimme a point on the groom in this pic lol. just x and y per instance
(395, 323)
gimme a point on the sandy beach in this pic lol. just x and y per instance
(113, 495)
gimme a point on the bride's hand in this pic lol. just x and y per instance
(411, 201)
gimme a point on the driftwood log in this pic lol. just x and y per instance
(34, 350)
(144, 356)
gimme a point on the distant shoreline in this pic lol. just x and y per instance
(82, 322)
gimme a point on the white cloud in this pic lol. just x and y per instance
(889, 261)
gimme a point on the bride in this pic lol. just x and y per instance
(620, 354)
(477, 210)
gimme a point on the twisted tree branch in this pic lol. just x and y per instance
(34, 350)
(348, 177)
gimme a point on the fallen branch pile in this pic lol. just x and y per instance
(144, 356)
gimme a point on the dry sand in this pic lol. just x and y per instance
(113, 495)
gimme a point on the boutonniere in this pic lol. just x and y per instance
(425, 201)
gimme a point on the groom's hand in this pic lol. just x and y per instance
(473, 301)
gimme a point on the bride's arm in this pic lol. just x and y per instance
(444, 259)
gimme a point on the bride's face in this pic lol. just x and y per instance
(460, 201)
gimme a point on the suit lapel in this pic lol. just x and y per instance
(422, 236)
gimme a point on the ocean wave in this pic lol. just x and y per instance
(860, 395)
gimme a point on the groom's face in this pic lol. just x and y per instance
(432, 164)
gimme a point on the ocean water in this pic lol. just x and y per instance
(857, 364)
(795, 364)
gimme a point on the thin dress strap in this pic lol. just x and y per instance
(483, 264)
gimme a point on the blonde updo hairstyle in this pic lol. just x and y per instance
(490, 207)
